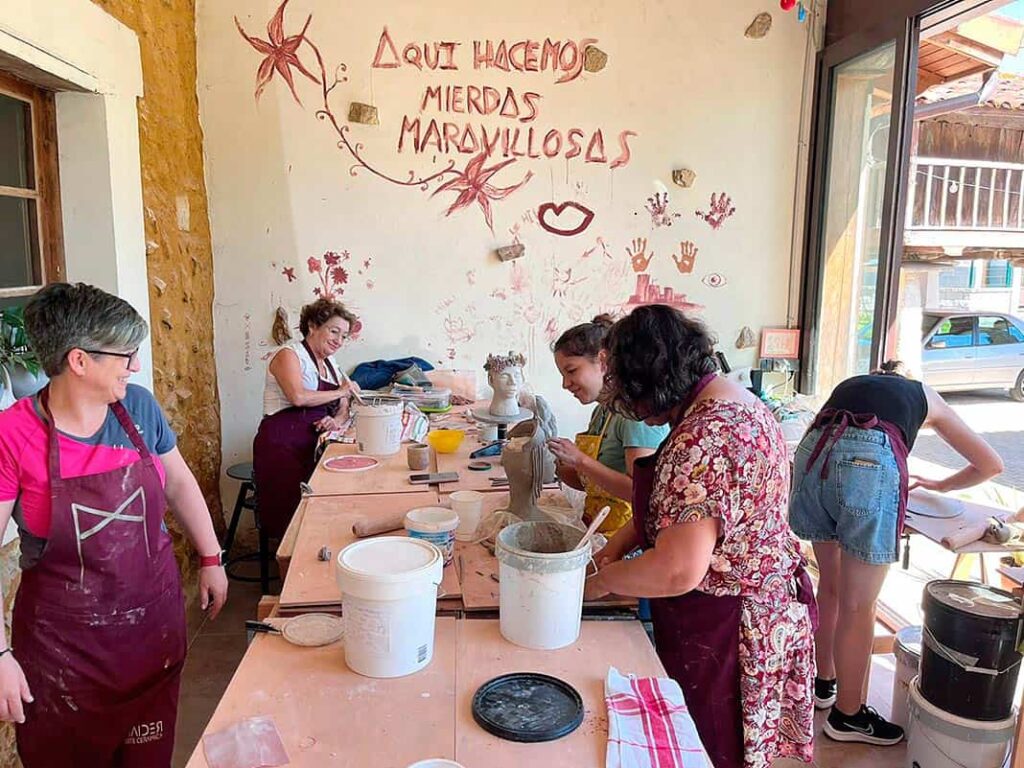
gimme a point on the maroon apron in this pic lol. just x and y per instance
(99, 620)
(284, 456)
(698, 634)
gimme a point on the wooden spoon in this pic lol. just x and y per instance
(598, 519)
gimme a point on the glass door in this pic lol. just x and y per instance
(854, 190)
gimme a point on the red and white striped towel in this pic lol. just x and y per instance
(649, 725)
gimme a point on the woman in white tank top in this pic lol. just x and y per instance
(302, 396)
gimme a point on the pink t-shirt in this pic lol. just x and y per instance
(24, 473)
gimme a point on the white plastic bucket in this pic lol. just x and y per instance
(541, 584)
(907, 649)
(937, 739)
(436, 525)
(468, 505)
(379, 428)
(389, 596)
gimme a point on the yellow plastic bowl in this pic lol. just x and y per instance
(446, 440)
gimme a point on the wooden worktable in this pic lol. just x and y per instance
(310, 583)
(328, 715)
(470, 582)
(974, 514)
(392, 476)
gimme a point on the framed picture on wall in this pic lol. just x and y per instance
(780, 343)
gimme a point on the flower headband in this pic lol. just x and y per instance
(496, 363)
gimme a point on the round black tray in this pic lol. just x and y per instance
(528, 707)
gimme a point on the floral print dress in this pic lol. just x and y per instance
(728, 461)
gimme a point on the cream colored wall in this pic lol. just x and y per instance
(680, 74)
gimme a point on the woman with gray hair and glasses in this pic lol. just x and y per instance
(91, 674)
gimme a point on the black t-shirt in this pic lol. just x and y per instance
(891, 398)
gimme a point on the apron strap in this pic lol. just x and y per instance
(53, 447)
(129, 428)
(327, 363)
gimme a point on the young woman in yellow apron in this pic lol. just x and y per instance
(600, 460)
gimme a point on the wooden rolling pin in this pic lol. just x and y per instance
(372, 526)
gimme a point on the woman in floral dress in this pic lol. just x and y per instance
(732, 605)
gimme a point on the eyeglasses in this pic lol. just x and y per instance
(129, 357)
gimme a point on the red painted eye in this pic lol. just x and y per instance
(715, 280)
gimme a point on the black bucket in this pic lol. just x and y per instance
(969, 657)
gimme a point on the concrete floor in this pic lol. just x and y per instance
(215, 650)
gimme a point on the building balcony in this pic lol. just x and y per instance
(965, 206)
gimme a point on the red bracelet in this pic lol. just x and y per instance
(211, 561)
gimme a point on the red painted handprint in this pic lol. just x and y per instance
(638, 254)
(721, 209)
(686, 257)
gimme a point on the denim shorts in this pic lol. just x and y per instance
(858, 504)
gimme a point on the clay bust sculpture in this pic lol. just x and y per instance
(505, 376)
(528, 465)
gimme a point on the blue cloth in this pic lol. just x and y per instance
(377, 374)
(857, 505)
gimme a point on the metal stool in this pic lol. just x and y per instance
(247, 500)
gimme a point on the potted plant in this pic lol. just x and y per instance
(20, 372)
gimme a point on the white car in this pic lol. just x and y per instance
(973, 350)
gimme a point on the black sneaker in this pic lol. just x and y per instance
(867, 726)
(824, 693)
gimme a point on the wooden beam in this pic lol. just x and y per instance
(926, 79)
(967, 47)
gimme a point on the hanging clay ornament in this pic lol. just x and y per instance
(787, 5)
(760, 26)
(801, 13)
(746, 339)
(280, 332)
(363, 113)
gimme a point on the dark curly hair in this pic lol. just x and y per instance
(656, 355)
(585, 339)
(322, 310)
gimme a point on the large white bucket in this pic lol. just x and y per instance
(379, 428)
(389, 596)
(937, 739)
(541, 584)
(908, 660)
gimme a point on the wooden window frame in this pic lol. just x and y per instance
(46, 177)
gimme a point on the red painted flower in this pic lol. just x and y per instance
(332, 259)
(313, 265)
(339, 275)
(289, 272)
(279, 52)
(473, 185)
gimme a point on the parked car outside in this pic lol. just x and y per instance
(973, 350)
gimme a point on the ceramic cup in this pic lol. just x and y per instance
(468, 505)
(418, 456)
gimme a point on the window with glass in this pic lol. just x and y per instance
(953, 332)
(994, 331)
(998, 273)
(31, 252)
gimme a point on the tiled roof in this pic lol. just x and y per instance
(1009, 92)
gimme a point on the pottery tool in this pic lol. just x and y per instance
(598, 519)
(392, 521)
(479, 466)
(324, 555)
(355, 393)
(434, 478)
